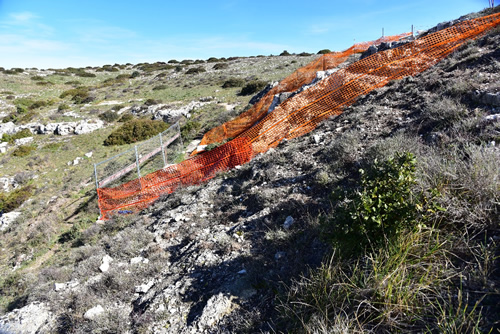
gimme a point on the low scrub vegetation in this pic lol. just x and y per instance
(134, 131)
(253, 87)
(14, 199)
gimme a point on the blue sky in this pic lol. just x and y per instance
(63, 33)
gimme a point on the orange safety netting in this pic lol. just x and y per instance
(297, 79)
(298, 115)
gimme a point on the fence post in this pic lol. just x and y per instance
(138, 167)
(180, 137)
(95, 175)
(162, 152)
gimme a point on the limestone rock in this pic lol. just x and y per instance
(8, 218)
(94, 312)
(106, 261)
(30, 319)
(23, 141)
(87, 127)
(3, 147)
(7, 128)
(217, 307)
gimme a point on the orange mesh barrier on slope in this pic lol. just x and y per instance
(139, 193)
(297, 115)
(297, 79)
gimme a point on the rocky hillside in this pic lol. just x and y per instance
(274, 245)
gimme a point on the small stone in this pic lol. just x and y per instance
(106, 260)
(94, 312)
(88, 155)
(143, 288)
(317, 139)
(288, 222)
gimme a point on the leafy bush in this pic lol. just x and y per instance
(285, 53)
(305, 54)
(37, 78)
(135, 131)
(385, 205)
(253, 87)
(126, 118)
(109, 116)
(160, 87)
(151, 102)
(195, 70)
(213, 60)
(324, 51)
(79, 95)
(14, 199)
(84, 74)
(190, 130)
(23, 150)
(21, 134)
(233, 82)
(63, 106)
(220, 66)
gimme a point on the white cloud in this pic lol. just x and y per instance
(22, 18)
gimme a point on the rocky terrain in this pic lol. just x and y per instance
(246, 251)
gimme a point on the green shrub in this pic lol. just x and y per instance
(44, 83)
(63, 106)
(109, 116)
(173, 61)
(14, 199)
(84, 74)
(126, 118)
(233, 82)
(253, 87)
(21, 134)
(135, 131)
(135, 74)
(285, 53)
(150, 102)
(220, 66)
(324, 51)
(195, 70)
(160, 87)
(117, 107)
(190, 130)
(37, 78)
(305, 54)
(212, 60)
(23, 150)
(385, 205)
(79, 95)
(73, 82)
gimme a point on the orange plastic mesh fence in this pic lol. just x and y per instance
(297, 115)
(297, 79)
(137, 194)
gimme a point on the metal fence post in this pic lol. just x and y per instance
(97, 191)
(180, 137)
(138, 167)
(95, 175)
(162, 152)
